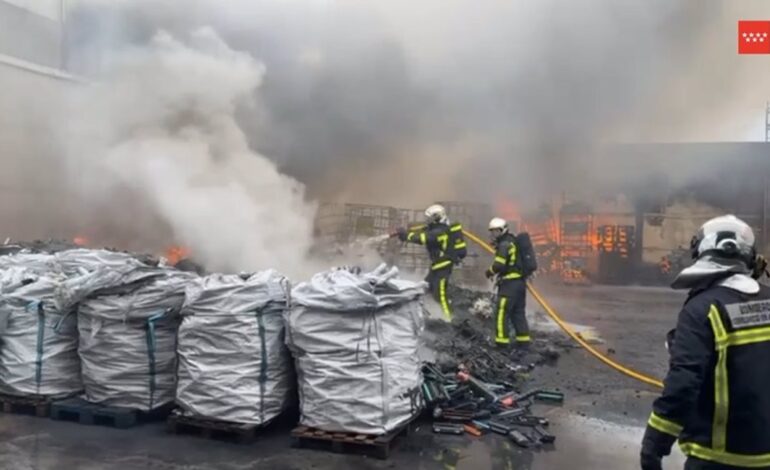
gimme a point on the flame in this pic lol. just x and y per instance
(80, 240)
(176, 253)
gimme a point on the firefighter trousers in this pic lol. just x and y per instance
(510, 309)
(438, 282)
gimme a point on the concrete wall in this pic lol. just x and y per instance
(32, 30)
(32, 201)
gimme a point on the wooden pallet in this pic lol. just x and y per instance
(347, 443)
(212, 428)
(83, 412)
(34, 405)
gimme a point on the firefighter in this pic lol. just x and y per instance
(511, 285)
(446, 247)
(716, 400)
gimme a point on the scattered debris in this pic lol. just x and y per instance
(463, 404)
(468, 341)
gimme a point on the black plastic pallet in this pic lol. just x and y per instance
(348, 443)
(33, 405)
(212, 428)
(83, 412)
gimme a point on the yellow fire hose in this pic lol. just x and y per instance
(564, 326)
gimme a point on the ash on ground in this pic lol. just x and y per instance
(468, 341)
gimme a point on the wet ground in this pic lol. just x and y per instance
(599, 426)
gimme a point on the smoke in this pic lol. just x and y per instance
(406, 102)
(394, 102)
(158, 127)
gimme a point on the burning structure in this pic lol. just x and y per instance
(636, 232)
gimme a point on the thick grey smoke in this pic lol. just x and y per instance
(386, 101)
(158, 127)
(406, 102)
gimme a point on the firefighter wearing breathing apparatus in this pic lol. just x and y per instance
(511, 285)
(716, 399)
(446, 247)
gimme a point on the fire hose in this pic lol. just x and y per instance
(570, 332)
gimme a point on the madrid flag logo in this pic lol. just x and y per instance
(754, 37)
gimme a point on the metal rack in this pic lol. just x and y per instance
(344, 224)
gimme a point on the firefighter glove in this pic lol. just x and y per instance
(401, 233)
(489, 274)
(651, 461)
(655, 446)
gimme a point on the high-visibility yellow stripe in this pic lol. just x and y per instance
(502, 334)
(500, 259)
(721, 395)
(665, 426)
(720, 334)
(423, 238)
(523, 338)
(692, 449)
(757, 335)
(444, 301)
(512, 254)
(444, 240)
(441, 264)
(456, 228)
(512, 276)
(721, 403)
(460, 245)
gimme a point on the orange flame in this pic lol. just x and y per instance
(81, 241)
(175, 254)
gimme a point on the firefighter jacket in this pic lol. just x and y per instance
(506, 265)
(716, 399)
(445, 243)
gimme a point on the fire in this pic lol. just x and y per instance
(81, 241)
(176, 253)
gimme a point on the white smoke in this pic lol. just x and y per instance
(159, 125)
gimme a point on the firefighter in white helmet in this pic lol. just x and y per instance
(446, 247)
(511, 285)
(715, 401)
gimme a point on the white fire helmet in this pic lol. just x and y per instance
(723, 247)
(499, 225)
(726, 236)
(436, 214)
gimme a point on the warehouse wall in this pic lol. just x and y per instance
(664, 233)
(31, 30)
(32, 202)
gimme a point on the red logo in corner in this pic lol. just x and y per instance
(754, 37)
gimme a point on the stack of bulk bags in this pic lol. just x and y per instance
(355, 338)
(38, 335)
(128, 339)
(233, 362)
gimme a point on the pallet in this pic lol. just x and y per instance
(80, 411)
(347, 443)
(209, 428)
(33, 405)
